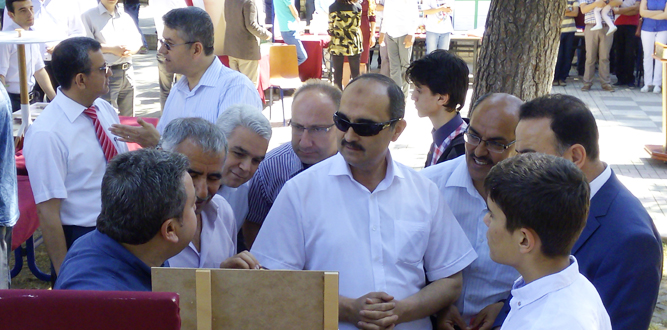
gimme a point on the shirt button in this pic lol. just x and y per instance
(373, 228)
(519, 303)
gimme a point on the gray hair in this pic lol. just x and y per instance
(246, 116)
(208, 136)
(140, 191)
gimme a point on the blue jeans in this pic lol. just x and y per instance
(290, 38)
(437, 41)
(564, 61)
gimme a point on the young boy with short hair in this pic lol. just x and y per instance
(441, 83)
(538, 206)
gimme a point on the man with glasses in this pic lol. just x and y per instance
(207, 87)
(68, 147)
(313, 140)
(382, 226)
(489, 139)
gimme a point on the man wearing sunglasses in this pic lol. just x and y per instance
(207, 87)
(313, 140)
(489, 139)
(381, 225)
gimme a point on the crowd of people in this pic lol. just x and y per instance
(515, 222)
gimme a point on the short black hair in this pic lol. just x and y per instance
(71, 57)
(443, 73)
(571, 121)
(545, 193)
(395, 93)
(193, 24)
(140, 191)
(10, 4)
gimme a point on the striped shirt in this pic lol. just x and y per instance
(280, 165)
(589, 17)
(484, 282)
(219, 88)
(568, 24)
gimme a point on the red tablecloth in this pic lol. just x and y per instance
(314, 45)
(28, 220)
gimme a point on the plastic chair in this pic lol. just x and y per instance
(284, 72)
(88, 310)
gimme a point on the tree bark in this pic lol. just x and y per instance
(519, 48)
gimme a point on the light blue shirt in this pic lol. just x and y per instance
(9, 202)
(484, 282)
(219, 88)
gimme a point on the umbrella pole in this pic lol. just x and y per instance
(25, 102)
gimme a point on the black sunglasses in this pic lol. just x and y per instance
(362, 129)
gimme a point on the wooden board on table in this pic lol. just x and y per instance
(253, 299)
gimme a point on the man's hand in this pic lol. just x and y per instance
(145, 135)
(600, 3)
(485, 318)
(243, 260)
(373, 311)
(372, 41)
(408, 41)
(446, 9)
(50, 49)
(450, 317)
(381, 40)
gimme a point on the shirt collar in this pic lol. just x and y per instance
(598, 182)
(524, 294)
(101, 9)
(71, 108)
(461, 177)
(340, 168)
(445, 130)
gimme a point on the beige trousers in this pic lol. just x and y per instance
(598, 45)
(250, 68)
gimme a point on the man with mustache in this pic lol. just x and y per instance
(489, 139)
(214, 241)
(313, 140)
(381, 225)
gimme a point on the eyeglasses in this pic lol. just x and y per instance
(313, 130)
(362, 129)
(105, 68)
(492, 146)
(170, 46)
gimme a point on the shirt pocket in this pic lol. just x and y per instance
(410, 239)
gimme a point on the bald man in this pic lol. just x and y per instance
(489, 139)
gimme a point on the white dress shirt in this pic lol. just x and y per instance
(600, 180)
(65, 159)
(219, 88)
(218, 238)
(388, 240)
(564, 300)
(439, 22)
(400, 17)
(238, 200)
(57, 17)
(113, 30)
(9, 62)
(484, 282)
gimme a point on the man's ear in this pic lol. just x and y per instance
(198, 49)
(527, 240)
(443, 99)
(168, 230)
(80, 81)
(577, 154)
(400, 127)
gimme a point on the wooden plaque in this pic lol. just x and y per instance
(252, 299)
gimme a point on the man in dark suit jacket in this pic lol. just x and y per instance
(619, 250)
(242, 35)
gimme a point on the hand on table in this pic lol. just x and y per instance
(450, 317)
(145, 135)
(243, 260)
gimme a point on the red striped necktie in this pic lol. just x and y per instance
(107, 146)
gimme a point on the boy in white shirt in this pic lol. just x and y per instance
(538, 205)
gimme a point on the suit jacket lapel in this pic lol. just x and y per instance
(598, 209)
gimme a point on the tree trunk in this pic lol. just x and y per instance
(519, 49)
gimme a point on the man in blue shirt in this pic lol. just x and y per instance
(9, 205)
(138, 232)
